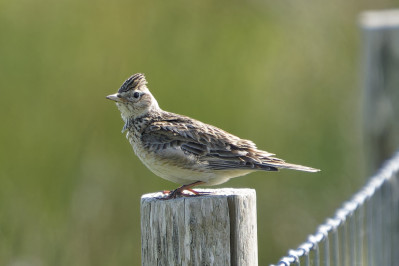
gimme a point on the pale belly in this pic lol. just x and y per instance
(177, 167)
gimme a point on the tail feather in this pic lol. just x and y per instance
(294, 167)
(267, 160)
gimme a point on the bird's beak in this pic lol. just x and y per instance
(114, 97)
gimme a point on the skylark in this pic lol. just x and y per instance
(184, 150)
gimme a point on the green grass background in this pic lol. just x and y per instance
(284, 74)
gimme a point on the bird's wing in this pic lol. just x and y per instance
(212, 147)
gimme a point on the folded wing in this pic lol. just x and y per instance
(209, 146)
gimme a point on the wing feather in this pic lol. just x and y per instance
(212, 147)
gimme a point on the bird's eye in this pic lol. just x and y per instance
(136, 94)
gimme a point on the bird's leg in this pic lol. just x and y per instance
(179, 191)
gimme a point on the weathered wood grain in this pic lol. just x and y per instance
(216, 229)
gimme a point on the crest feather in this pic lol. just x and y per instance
(135, 81)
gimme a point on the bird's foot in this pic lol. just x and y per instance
(180, 192)
(198, 193)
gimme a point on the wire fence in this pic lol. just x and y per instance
(364, 231)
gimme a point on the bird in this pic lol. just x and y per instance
(184, 150)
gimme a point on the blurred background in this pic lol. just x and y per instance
(284, 74)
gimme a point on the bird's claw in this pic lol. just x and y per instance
(177, 193)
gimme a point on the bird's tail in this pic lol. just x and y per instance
(294, 167)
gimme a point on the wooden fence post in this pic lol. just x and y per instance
(381, 82)
(216, 229)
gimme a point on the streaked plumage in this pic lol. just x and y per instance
(184, 150)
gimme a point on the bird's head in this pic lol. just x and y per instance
(133, 98)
